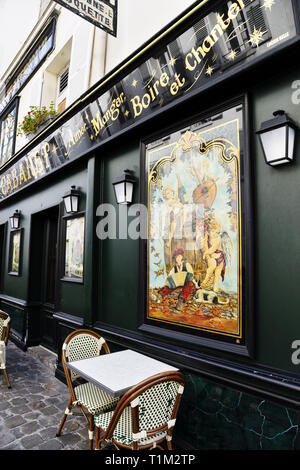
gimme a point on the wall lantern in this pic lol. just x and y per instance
(277, 137)
(15, 220)
(123, 186)
(71, 200)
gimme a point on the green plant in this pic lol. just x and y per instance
(35, 118)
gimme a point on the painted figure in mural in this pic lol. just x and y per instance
(173, 224)
(179, 227)
(158, 194)
(206, 189)
(181, 275)
(216, 250)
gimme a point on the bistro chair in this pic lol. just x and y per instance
(4, 333)
(145, 416)
(90, 399)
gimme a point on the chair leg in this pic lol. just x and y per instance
(91, 432)
(6, 378)
(97, 435)
(68, 409)
(169, 444)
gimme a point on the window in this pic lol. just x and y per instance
(56, 78)
(74, 249)
(249, 29)
(8, 127)
(14, 265)
(62, 88)
(63, 80)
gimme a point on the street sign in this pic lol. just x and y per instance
(102, 13)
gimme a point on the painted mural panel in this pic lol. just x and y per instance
(74, 249)
(194, 247)
(15, 252)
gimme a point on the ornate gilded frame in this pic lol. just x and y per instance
(181, 332)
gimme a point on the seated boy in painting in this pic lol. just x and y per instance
(180, 276)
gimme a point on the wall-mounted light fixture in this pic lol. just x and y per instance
(277, 137)
(15, 220)
(71, 200)
(123, 186)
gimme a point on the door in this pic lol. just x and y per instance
(44, 273)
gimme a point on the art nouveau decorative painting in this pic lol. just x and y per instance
(74, 249)
(195, 253)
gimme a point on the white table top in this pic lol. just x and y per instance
(118, 372)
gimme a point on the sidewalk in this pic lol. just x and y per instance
(30, 412)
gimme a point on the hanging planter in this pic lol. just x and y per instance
(36, 120)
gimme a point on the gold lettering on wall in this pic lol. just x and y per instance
(111, 114)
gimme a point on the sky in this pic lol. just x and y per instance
(17, 19)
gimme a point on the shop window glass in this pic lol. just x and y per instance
(8, 123)
(74, 249)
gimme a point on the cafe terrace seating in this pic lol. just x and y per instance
(145, 416)
(90, 399)
(4, 333)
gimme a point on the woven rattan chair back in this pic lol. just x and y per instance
(82, 344)
(4, 326)
(4, 334)
(153, 405)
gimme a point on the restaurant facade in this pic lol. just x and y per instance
(160, 208)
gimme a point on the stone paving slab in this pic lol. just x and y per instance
(31, 411)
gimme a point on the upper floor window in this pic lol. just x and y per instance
(62, 88)
(8, 127)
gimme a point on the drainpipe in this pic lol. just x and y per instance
(105, 53)
(102, 72)
(89, 61)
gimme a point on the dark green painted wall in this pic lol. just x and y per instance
(119, 262)
(276, 229)
(73, 298)
(277, 219)
(113, 264)
(211, 414)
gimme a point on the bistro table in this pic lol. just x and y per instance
(117, 372)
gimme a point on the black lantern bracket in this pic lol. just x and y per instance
(277, 138)
(123, 186)
(71, 200)
(15, 220)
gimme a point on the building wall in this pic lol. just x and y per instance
(74, 45)
(276, 228)
(91, 52)
(214, 414)
(24, 293)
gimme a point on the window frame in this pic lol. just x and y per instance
(62, 95)
(12, 234)
(63, 276)
(14, 105)
(190, 338)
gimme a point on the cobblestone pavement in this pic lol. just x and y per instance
(30, 412)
